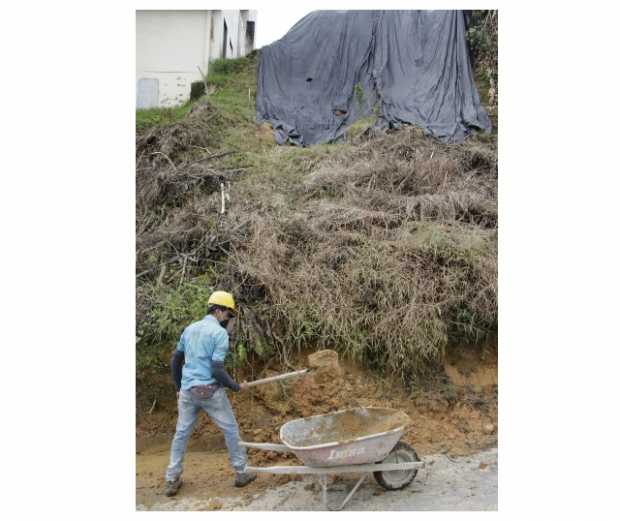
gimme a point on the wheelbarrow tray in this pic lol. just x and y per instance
(349, 437)
(349, 441)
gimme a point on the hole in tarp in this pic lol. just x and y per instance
(308, 79)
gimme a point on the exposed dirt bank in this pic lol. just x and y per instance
(456, 416)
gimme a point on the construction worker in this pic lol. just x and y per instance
(200, 379)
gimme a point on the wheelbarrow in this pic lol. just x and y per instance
(361, 440)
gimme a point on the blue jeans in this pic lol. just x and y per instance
(219, 410)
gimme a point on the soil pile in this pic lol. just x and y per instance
(321, 390)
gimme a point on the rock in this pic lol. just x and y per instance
(488, 428)
(324, 358)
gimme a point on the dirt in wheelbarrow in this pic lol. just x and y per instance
(454, 414)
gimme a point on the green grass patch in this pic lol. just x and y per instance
(146, 118)
(234, 82)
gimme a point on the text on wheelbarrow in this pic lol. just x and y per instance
(346, 453)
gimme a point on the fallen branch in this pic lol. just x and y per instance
(200, 148)
(215, 156)
(169, 160)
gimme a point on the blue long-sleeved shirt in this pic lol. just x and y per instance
(203, 346)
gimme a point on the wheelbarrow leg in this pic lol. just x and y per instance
(323, 481)
(353, 490)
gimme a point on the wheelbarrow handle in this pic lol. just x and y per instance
(274, 447)
(276, 378)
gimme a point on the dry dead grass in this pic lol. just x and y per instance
(384, 249)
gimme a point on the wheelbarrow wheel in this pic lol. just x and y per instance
(397, 479)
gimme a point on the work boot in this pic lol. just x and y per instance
(172, 487)
(244, 478)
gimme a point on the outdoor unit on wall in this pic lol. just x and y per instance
(148, 93)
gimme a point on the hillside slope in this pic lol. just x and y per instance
(383, 247)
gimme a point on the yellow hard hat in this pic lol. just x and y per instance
(222, 298)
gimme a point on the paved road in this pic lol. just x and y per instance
(466, 483)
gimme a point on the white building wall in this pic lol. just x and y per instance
(215, 42)
(171, 45)
(245, 16)
(232, 21)
(246, 47)
(231, 18)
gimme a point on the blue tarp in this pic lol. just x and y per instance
(334, 67)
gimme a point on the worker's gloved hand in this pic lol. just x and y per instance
(243, 386)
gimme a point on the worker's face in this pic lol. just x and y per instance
(224, 317)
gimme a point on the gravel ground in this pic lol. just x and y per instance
(464, 483)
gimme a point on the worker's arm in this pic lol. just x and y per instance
(222, 376)
(177, 362)
(217, 362)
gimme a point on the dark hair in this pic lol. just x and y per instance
(214, 307)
